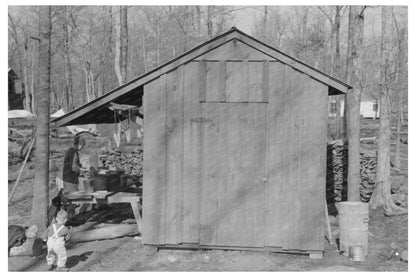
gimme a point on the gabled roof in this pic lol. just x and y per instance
(97, 110)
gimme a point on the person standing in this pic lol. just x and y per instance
(57, 235)
(72, 165)
(70, 173)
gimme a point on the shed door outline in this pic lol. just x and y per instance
(233, 167)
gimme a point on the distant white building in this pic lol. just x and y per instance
(368, 107)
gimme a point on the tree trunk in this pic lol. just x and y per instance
(354, 78)
(398, 131)
(67, 64)
(124, 43)
(382, 191)
(400, 104)
(158, 42)
(39, 215)
(198, 18)
(110, 50)
(117, 59)
(32, 81)
(209, 21)
(264, 27)
(144, 50)
(336, 68)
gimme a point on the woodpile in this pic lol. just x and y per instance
(337, 166)
(131, 162)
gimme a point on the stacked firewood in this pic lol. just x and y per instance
(368, 175)
(337, 166)
(131, 162)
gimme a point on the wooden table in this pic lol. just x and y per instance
(106, 197)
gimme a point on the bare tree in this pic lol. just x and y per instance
(354, 78)
(124, 43)
(335, 58)
(401, 34)
(382, 192)
(120, 61)
(40, 200)
(67, 61)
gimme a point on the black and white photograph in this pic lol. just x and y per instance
(188, 137)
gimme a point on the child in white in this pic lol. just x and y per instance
(58, 233)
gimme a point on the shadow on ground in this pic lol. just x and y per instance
(74, 260)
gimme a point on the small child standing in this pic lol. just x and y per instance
(57, 233)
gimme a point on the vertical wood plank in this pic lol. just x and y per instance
(307, 166)
(299, 85)
(234, 84)
(222, 77)
(216, 81)
(314, 165)
(212, 81)
(255, 160)
(255, 80)
(244, 95)
(286, 160)
(223, 227)
(154, 171)
(174, 125)
(265, 81)
(163, 185)
(276, 183)
(203, 80)
(191, 158)
(209, 174)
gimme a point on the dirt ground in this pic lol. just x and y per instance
(128, 254)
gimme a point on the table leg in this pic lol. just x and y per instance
(136, 211)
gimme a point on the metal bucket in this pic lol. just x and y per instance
(353, 225)
(357, 253)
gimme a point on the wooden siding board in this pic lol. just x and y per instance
(224, 228)
(274, 213)
(308, 125)
(296, 145)
(255, 82)
(174, 124)
(234, 84)
(265, 81)
(154, 175)
(216, 80)
(318, 170)
(257, 120)
(209, 174)
(222, 81)
(203, 80)
(163, 185)
(212, 81)
(191, 158)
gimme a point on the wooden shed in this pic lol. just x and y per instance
(234, 147)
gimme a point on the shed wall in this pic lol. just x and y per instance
(175, 195)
